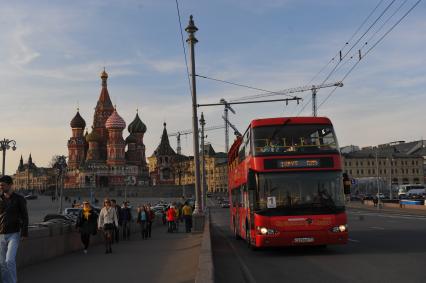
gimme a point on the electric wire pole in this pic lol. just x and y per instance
(203, 166)
(191, 29)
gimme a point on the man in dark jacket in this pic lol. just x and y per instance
(126, 219)
(117, 208)
(13, 226)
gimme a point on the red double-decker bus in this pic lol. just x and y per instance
(285, 184)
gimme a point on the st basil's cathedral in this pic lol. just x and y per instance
(100, 158)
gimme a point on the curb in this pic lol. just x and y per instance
(205, 272)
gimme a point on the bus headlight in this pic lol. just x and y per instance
(266, 231)
(340, 228)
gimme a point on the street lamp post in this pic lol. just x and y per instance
(390, 178)
(198, 216)
(5, 144)
(203, 165)
(377, 181)
(61, 165)
(191, 29)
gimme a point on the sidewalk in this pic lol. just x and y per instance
(358, 205)
(166, 257)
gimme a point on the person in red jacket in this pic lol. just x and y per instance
(170, 216)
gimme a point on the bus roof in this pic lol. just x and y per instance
(293, 120)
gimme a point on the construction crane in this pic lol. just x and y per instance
(236, 132)
(227, 107)
(312, 88)
(188, 132)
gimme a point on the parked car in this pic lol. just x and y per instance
(72, 211)
(380, 195)
(30, 196)
(368, 197)
(225, 204)
(416, 193)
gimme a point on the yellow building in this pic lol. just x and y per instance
(386, 162)
(30, 177)
(216, 170)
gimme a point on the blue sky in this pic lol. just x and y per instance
(51, 54)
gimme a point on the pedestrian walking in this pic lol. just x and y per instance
(151, 216)
(177, 217)
(187, 216)
(142, 221)
(375, 201)
(86, 224)
(106, 221)
(116, 232)
(170, 216)
(13, 226)
(126, 218)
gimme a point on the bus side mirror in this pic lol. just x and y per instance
(251, 180)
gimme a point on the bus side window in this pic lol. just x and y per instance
(235, 201)
(241, 154)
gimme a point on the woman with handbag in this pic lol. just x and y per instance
(107, 221)
(86, 224)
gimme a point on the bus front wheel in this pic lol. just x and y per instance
(249, 243)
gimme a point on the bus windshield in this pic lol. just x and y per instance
(290, 139)
(300, 193)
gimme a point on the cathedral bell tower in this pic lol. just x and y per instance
(103, 111)
(76, 144)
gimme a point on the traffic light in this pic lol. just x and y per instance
(346, 184)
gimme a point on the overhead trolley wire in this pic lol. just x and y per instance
(338, 65)
(242, 85)
(183, 46)
(348, 41)
(371, 48)
(359, 39)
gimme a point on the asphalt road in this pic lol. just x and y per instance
(383, 247)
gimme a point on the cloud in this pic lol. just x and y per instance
(166, 65)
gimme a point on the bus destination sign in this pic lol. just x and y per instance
(295, 163)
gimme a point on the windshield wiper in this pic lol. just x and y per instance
(279, 128)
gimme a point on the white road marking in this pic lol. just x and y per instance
(377, 228)
(396, 216)
(353, 240)
(245, 270)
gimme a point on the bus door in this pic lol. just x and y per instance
(251, 197)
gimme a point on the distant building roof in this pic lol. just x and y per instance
(164, 147)
(392, 150)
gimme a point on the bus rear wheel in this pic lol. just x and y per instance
(236, 235)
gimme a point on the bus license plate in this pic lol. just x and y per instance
(304, 240)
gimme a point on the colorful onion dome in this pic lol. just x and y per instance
(131, 139)
(93, 137)
(136, 126)
(115, 121)
(78, 122)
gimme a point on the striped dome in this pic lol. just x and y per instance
(115, 121)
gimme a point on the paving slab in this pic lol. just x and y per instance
(166, 257)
